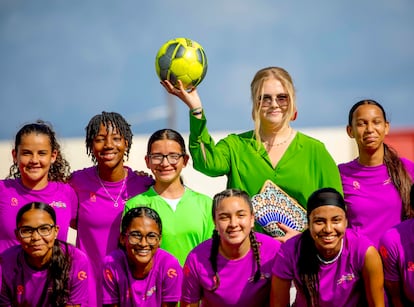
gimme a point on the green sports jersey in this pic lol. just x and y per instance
(183, 229)
(305, 166)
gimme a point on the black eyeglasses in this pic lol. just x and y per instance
(135, 237)
(172, 158)
(282, 100)
(43, 230)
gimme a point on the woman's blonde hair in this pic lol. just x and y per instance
(256, 89)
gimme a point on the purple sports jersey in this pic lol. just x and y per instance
(99, 217)
(162, 284)
(25, 286)
(397, 252)
(373, 203)
(237, 287)
(15, 195)
(341, 280)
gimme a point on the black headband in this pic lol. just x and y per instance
(325, 197)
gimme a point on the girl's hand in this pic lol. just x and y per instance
(289, 232)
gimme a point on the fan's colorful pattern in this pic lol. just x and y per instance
(273, 205)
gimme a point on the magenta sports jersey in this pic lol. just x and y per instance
(99, 217)
(341, 280)
(25, 286)
(237, 287)
(14, 195)
(397, 252)
(162, 284)
(373, 202)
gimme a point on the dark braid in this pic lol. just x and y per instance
(108, 119)
(256, 252)
(308, 265)
(400, 178)
(59, 271)
(216, 238)
(61, 262)
(60, 169)
(398, 174)
(213, 258)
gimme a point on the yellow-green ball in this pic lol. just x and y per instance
(181, 59)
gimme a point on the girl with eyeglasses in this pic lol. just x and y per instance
(140, 273)
(103, 189)
(42, 270)
(233, 268)
(39, 173)
(184, 212)
(272, 150)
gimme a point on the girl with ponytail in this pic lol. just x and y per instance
(377, 183)
(233, 268)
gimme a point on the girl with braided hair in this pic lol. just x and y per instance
(39, 173)
(42, 270)
(329, 264)
(104, 188)
(233, 268)
(377, 183)
(140, 273)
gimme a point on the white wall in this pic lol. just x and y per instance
(341, 147)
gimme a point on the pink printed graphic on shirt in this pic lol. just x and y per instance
(356, 185)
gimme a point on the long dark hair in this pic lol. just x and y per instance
(60, 169)
(107, 119)
(60, 263)
(308, 262)
(398, 174)
(216, 238)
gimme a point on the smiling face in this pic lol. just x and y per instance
(234, 221)
(109, 147)
(368, 127)
(327, 225)
(164, 171)
(139, 250)
(34, 156)
(273, 114)
(38, 248)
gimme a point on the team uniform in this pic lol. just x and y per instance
(397, 252)
(237, 287)
(183, 228)
(15, 195)
(162, 284)
(305, 166)
(99, 216)
(340, 282)
(373, 202)
(24, 286)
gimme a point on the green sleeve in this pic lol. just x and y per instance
(210, 159)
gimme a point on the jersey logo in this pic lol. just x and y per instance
(172, 273)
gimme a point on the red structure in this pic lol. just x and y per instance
(402, 140)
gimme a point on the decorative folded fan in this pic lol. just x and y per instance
(273, 205)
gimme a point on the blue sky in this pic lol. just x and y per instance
(65, 61)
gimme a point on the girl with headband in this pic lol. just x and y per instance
(329, 264)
